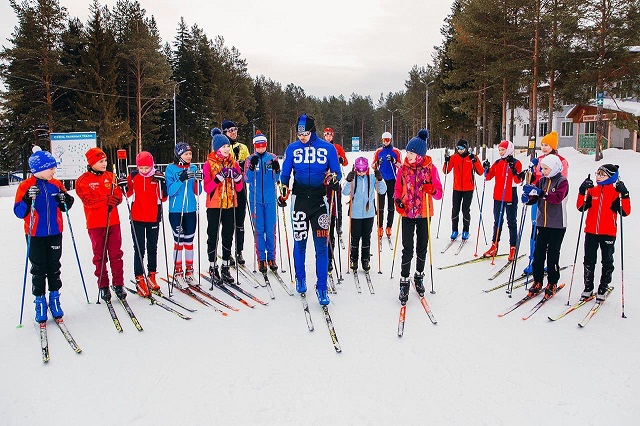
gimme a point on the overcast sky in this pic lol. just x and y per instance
(328, 47)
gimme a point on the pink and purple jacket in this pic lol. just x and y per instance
(413, 182)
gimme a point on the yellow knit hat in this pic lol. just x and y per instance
(551, 139)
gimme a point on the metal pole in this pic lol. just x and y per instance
(175, 129)
(426, 107)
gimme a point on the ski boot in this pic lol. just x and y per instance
(404, 290)
(213, 273)
(535, 288)
(105, 294)
(226, 275)
(54, 304)
(189, 279)
(366, 266)
(272, 265)
(550, 290)
(380, 233)
(512, 254)
(418, 279)
(239, 259)
(120, 292)
(602, 291)
(454, 235)
(465, 235)
(262, 266)
(587, 293)
(141, 286)
(388, 230)
(301, 285)
(493, 250)
(353, 264)
(41, 308)
(323, 297)
(152, 284)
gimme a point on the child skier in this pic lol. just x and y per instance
(342, 159)
(263, 171)
(222, 182)
(602, 203)
(149, 189)
(183, 187)
(506, 170)
(463, 163)
(363, 208)
(387, 158)
(314, 164)
(549, 193)
(98, 190)
(43, 199)
(417, 181)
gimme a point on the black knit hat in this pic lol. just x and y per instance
(306, 123)
(609, 169)
(463, 143)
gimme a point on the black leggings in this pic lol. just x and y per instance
(361, 231)
(421, 230)
(461, 198)
(223, 217)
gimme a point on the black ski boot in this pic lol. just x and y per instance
(262, 266)
(214, 274)
(418, 279)
(404, 290)
(272, 265)
(120, 292)
(602, 291)
(225, 275)
(353, 264)
(105, 294)
(366, 266)
(588, 281)
(240, 259)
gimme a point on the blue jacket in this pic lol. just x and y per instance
(47, 215)
(264, 177)
(364, 191)
(388, 169)
(310, 161)
(176, 189)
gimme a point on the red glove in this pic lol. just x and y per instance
(428, 188)
(113, 200)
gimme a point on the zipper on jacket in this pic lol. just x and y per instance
(44, 187)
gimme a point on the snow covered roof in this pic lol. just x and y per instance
(630, 107)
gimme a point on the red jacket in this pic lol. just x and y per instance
(502, 172)
(148, 194)
(341, 155)
(602, 205)
(463, 168)
(93, 190)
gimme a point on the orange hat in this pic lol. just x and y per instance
(94, 155)
(551, 139)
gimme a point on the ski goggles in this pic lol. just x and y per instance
(307, 133)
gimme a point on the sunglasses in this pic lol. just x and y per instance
(232, 130)
(307, 133)
(328, 134)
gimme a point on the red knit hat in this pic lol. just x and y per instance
(144, 159)
(504, 144)
(94, 155)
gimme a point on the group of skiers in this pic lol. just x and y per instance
(234, 181)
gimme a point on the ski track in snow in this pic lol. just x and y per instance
(262, 365)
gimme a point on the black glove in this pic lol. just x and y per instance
(447, 157)
(380, 160)
(122, 183)
(275, 166)
(253, 162)
(282, 202)
(622, 189)
(378, 174)
(31, 194)
(585, 185)
(473, 158)
(341, 160)
(399, 203)
(183, 176)
(350, 176)
(283, 192)
(159, 176)
(390, 159)
(486, 165)
(191, 174)
(198, 175)
(64, 198)
(331, 182)
(511, 161)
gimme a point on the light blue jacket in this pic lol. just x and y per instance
(364, 192)
(176, 189)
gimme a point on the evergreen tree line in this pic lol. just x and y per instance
(113, 75)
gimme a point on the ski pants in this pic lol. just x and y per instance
(183, 227)
(391, 183)
(240, 213)
(113, 255)
(607, 245)
(548, 242)
(264, 220)
(461, 199)
(410, 227)
(511, 208)
(361, 230)
(219, 218)
(145, 234)
(44, 255)
(311, 211)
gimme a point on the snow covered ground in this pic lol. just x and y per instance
(262, 365)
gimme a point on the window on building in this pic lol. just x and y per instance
(542, 128)
(590, 127)
(525, 129)
(567, 128)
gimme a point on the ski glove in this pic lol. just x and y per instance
(235, 175)
(64, 198)
(275, 166)
(283, 192)
(282, 202)
(31, 194)
(622, 189)
(198, 175)
(390, 159)
(341, 160)
(447, 157)
(585, 185)
(159, 176)
(380, 160)
(531, 190)
(350, 176)
(184, 176)
(113, 200)
(399, 203)
(473, 158)
(122, 183)
(253, 162)
(331, 182)
(534, 162)
(427, 187)
(524, 198)
(378, 174)
(486, 165)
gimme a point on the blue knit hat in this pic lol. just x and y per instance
(41, 160)
(181, 148)
(306, 123)
(227, 124)
(418, 144)
(219, 141)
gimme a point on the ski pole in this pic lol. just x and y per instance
(484, 185)
(286, 236)
(500, 217)
(430, 248)
(446, 163)
(395, 246)
(279, 240)
(32, 220)
(575, 256)
(621, 256)
(197, 190)
(340, 279)
(378, 223)
(475, 189)
(75, 249)
(350, 218)
(512, 273)
(176, 246)
(106, 233)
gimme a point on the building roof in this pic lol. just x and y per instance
(610, 105)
